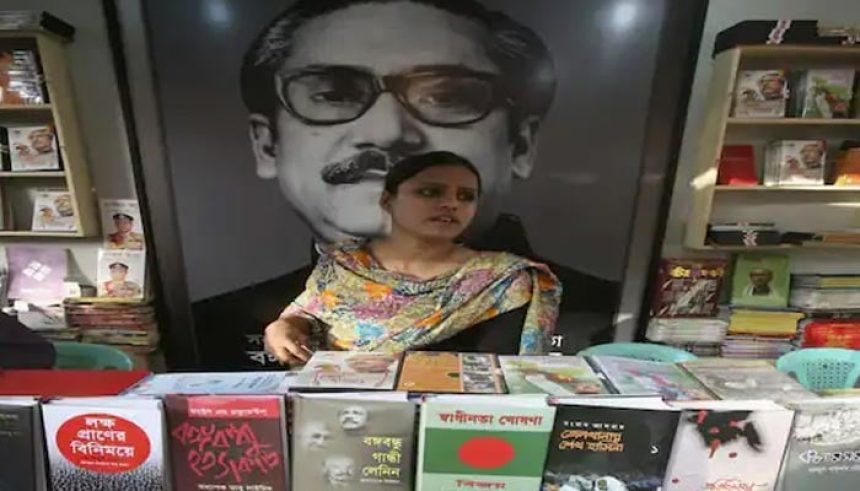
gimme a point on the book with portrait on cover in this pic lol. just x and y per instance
(345, 370)
(553, 375)
(447, 372)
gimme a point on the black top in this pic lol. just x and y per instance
(22, 348)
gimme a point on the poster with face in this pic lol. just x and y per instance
(279, 137)
(121, 224)
(33, 148)
(121, 274)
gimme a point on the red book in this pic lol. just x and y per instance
(737, 166)
(688, 287)
(832, 333)
(228, 442)
(67, 383)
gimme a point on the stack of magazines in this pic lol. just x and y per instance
(129, 325)
(825, 292)
(701, 337)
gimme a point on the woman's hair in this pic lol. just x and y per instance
(410, 166)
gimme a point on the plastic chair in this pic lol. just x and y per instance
(640, 351)
(822, 368)
(74, 355)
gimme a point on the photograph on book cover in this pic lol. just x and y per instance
(307, 108)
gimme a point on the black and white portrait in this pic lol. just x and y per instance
(308, 103)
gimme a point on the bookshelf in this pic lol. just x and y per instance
(796, 208)
(18, 188)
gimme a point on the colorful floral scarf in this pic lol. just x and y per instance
(367, 308)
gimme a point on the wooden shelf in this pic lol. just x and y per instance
(789, 189)
(25, 107)
(777, 247)
(34, 174)
(32, 234)
(792, 122)
(798, 51)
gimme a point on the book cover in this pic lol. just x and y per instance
(105, 444)
(728, 445)
(22, 461)
(216, 383)
(827, 93)
(444, 372)
(796, 162)
(121, 274)
(363, 442)
(761, 280)
(343, 370)
(33, 148)
(641, 377)
(746, 379)
(53, 211)
(554, 375)
(761, 94)
(481, 442)
(824, 446)
(688, 288)
(737, 166)
(36, 274)
(21, 79)
(122, 225)
(227, 442)
(620, 445)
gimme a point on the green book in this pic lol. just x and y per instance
(483, 442)
(761, 280)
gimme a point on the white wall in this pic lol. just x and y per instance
(721, 15)
(100, 116)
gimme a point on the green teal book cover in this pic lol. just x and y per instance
(483, 443)
(761, 280)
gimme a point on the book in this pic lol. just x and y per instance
(754, 347)
(33, 148)
(121, 274)
(68, 383)
(795, 162)
(628, 376)
(444, 372)
(227, 442)
(760, 280)
(764, 322)
(360, 441)
(682, 330)
(824, 446)
(737, 166)
(761, 94)
(123, 227)
(746, 379)
(344, 370)
(818, 281)
(483, 442)
(723, 445)
(610, 444)
(21, 79)
(554, 375)
(22, 448)
(826, 93)
(216, 383)
(831, 333)
(109, 444)
(53, 211)
(825, 299)
(36, 274)
(688, 288)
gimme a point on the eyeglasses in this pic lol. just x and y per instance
(439, 97)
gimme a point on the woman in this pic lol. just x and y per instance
(419, 288)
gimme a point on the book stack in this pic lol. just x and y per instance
(686, 305)
(21, 78)
(128, 325)
(825, 292)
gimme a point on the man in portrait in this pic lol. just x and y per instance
(125, 237)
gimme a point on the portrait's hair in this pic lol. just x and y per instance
(118, 265)
(526, 65)
(410, 166)
(123, 215)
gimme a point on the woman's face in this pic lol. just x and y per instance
(437, 203)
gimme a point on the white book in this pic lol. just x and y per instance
(121, 274)
(122, 224)
(53, 211)
(33, 148)
(216, 383)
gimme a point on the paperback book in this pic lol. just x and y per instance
(359, 441)
(228, 442)
(761, 94)
(746, 380)
(22, 448)
(761, 280)
(483, 442)
(728, 445)
(444, 372)
(21, 78)
(795, 162)
(688, 288)
(109, 444)
(121, 274)
(553, 375)
(33, 148)
(344, 370)
(216, 383)
(826, 93)
(36, 274)
(123, 227)
(631, 377)
(53, 211)
(610, 444)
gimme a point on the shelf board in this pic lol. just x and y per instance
(30, 233)
(25, 107)
(778, 247)
(801, 51)
(792, 122)
(58, 173)
(790, 189)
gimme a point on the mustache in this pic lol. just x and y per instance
(357, 167)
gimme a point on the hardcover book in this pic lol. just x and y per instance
(22, 449)
(746, 379)
(109, 444)
(359, 441)
(216, 383)
(640, 377)
(688, 288)
(728, 445)
(53, 211)
(824, 446)
(343, 370)
(33, 148)
(444, 372)
(554, 375)
(761, 94)
(483, 442)
(761, 280)
(227, 442)
(610, 444)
